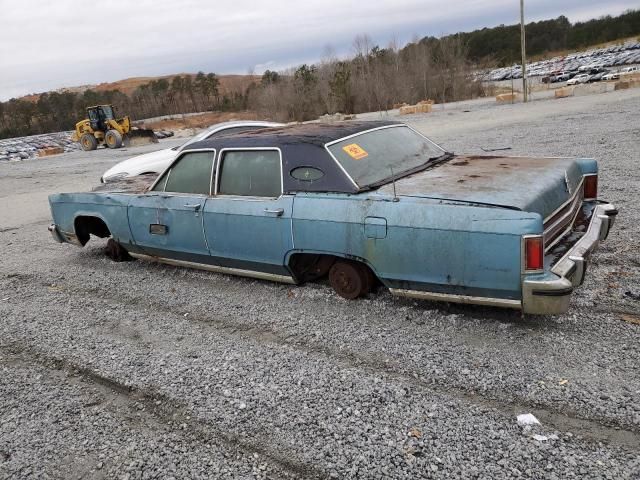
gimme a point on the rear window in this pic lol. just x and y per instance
(373, 157)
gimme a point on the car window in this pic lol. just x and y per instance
(376, 155)
(253, 173)
(232, 130)
(190, 174)
(307, 174)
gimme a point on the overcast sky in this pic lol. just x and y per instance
(46, 45)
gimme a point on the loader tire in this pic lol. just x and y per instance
(88, 142)
(113, 139)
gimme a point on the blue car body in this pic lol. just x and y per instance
(452, 228)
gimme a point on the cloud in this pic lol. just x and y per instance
(45, 45)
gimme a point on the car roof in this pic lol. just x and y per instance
(241, 123)
(315, 133)
(301, 145)
(217, 127)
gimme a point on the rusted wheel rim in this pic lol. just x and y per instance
(85, 142)
(347, 280)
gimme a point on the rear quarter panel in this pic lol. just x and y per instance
(428, 245)
(111, 208)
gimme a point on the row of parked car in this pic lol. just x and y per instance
(582, 62)
(593, 74)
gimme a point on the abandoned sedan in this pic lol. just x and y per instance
(362, 203)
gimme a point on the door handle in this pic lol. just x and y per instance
(276, 212)
(195, 206)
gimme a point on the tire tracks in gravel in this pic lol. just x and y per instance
(162, 411)
(592, 429)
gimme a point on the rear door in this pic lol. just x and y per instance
(168, 221)
(247, 222)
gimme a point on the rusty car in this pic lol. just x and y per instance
(364, 204)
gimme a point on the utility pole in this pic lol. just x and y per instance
(524, 54)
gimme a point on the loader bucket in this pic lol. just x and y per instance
(139, 136)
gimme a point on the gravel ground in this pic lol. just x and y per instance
(139, 370)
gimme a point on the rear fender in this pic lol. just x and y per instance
(110, 208)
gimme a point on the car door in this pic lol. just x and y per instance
(167, 221)
(247, 222)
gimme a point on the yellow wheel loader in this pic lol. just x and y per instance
(102, 127)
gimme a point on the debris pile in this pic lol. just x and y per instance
(23, 148)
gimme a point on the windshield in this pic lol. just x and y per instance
(377, 155)
(107, 112)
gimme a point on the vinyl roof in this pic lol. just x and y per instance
(311, 133)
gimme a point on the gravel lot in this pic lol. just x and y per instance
(138, 370)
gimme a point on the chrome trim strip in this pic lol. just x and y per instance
(569, 200)
(217, 269)
(448, 297)
(245, 149)
(564, 232)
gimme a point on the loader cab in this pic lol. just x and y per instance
(99, 115)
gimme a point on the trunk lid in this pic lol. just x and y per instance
(540, 185)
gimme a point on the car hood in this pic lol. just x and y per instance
(530, 184)
(154, 162)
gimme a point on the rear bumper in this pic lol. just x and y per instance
(63, 237)
(55, 233)
(550, 293)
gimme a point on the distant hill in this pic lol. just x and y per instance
(227, 85)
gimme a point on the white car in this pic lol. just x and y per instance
(582, 78)
(611, 76)
(156, 162)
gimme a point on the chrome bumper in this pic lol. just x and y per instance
(56, 234)
(550, 293)
(61, 236)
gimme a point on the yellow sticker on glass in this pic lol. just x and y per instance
(355, 151)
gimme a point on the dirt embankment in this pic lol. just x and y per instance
(203, 120)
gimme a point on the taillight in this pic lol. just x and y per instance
(591, 186)
(533, 253)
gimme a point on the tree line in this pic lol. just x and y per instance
(373, 79)
(501, 44)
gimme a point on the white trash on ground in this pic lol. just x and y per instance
(527, 419)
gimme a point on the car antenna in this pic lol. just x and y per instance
(393, 180)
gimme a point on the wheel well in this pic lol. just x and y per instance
(307, 267)
(86, 226)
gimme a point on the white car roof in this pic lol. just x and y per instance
(227, 125)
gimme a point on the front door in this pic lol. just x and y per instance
(247, 222)
(167, 222)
